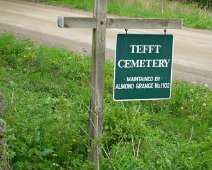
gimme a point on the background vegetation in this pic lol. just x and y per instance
(194, 15)
(203, 3)
(47, 104)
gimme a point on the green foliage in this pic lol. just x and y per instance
(47, 104)
(204, 3)
(45, 122)
(191, 13)
(86, 4)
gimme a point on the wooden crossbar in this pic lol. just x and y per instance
(142, 23)
(133, 23)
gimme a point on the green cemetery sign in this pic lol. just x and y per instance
(143, 67)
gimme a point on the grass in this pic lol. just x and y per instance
(192, 14)
(46, 109)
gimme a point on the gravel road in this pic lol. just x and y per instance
(192, 49)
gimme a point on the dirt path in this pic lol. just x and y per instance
(193, 48)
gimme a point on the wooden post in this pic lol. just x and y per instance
(3, 164)
(97, 81)
(1, 104)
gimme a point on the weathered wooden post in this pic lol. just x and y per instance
(1, 104)
(2, 142)
(97, 80)
(99, 23)
(2, 130)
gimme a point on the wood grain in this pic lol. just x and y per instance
(132, 23)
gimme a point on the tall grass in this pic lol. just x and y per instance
(192, 14)
(46, 109)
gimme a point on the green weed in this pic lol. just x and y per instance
(47, 104)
